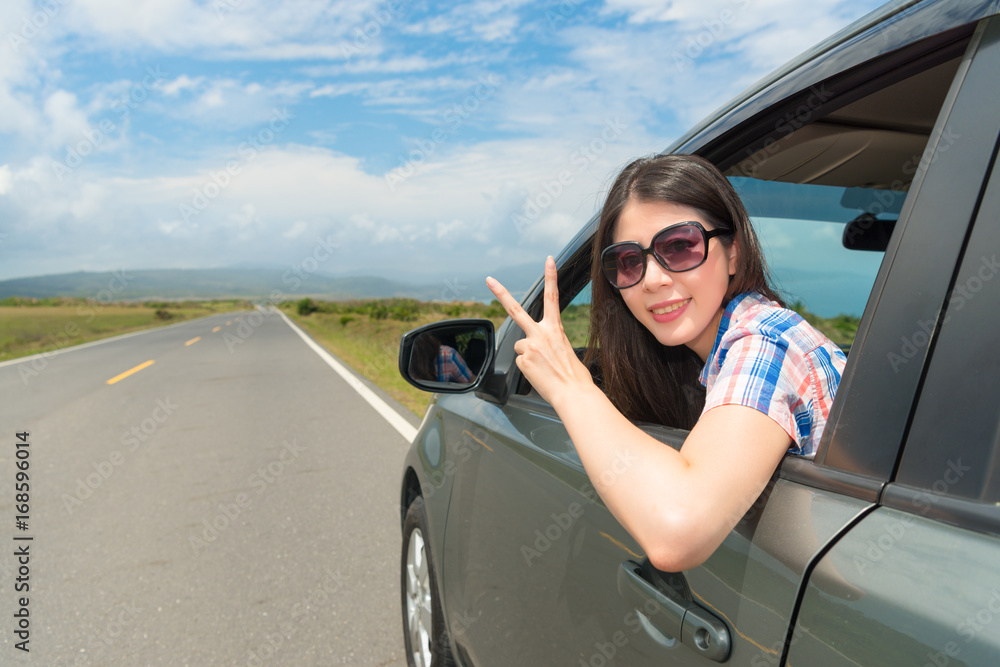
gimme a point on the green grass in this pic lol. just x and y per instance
(30, 326)
(840, 329)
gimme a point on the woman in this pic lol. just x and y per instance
(702, 310)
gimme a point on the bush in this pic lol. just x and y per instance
(163, 314)
(306, 306)
(345, 320)
(494, 310)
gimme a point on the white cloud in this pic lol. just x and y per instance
(294, 29)
(181, 83)
(6, 179)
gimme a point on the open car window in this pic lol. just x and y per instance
(825, 190)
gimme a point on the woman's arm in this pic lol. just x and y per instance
(679, 506)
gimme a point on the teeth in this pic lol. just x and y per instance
(670, 309)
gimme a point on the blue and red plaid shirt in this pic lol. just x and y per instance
(768, 358)
(451, 367)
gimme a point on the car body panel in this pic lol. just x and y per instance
(547, 548)
(931, 596)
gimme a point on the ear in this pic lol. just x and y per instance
(734, 250)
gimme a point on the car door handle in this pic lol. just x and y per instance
(675, 618)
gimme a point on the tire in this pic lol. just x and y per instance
(424, 632)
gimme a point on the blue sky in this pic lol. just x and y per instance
(405, 139)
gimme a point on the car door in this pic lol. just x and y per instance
(534, 561)
(925, 561)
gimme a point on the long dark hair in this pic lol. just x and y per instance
(646, 380)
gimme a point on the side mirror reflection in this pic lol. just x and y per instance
(449, 356)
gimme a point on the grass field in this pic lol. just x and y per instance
(365, 334)
(30, 326)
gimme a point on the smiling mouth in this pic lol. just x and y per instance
(670, 309)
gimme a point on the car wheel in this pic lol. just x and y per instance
(423, 620)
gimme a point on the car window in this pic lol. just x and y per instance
(825, 190)
(576, 319)
(801, 228)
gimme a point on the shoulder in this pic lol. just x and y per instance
(756, 322)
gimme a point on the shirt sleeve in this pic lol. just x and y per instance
(760, 372)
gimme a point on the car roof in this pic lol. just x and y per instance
(902, 22)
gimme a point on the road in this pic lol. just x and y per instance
(233, 503)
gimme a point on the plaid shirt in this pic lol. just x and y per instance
(768, 358)
(451, 367)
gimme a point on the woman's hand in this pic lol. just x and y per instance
(545, 355)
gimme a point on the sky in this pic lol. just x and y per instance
(410, 140)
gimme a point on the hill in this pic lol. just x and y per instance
(254, 283)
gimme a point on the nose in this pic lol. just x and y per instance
(656, 276)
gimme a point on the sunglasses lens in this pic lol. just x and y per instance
(681, 248)
(623, 265)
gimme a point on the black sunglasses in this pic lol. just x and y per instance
(677, 248)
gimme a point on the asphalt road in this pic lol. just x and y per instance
(233, 503)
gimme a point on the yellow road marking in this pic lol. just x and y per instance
(130, 371)
(216, 329)
(192, 341)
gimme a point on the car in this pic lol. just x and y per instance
(868, 166)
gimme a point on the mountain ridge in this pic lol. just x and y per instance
(261, 282)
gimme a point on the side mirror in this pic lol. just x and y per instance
(448, 357)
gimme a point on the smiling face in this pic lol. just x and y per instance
(677, 308)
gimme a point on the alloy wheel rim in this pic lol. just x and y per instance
(418, 600)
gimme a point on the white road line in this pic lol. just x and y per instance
(394, 418)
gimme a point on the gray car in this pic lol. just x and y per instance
(868, 167)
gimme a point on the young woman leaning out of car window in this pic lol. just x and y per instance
(680, 300)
